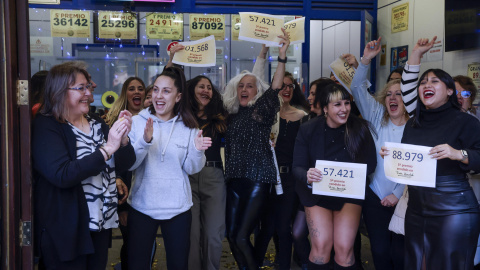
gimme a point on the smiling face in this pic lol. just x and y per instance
(77, 101)
(164, 97)
(203, 93)
(465, 102)
(287, 91)
(135, 96)
(337, 112)
(433, 92)
(394, 102)
(246, 89)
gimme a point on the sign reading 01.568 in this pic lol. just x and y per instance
(113, 25)
(70, 23)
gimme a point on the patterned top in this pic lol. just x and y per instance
(247, 141)
(100, 190)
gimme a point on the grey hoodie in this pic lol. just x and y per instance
(160, 185)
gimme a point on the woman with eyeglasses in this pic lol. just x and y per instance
(74, 161)
(466, 93)
(279, 209)
(442, 224)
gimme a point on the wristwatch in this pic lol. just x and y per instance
(464, 154)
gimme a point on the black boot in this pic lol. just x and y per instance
(336, 266)
(313, 266)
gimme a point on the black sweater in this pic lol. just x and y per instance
(447, 125)
(61, 208)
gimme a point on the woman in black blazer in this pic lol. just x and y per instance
(74, 161)
(343, 137)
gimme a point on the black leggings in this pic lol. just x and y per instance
(277, 217)
(142, 230)
(244, 204)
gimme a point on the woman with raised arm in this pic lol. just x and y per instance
(249, 166)
(441, 224)
(168, 147)
(339, 136)
(75, 158)
(387, 114)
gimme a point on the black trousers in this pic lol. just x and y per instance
(277, 218)
(244, 203)
(142, 230)
(96, 261)
(377, 218)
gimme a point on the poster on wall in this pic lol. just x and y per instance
(164, 26)
(435, 53)
(399, 56)
(474, 73)
(202, 26)
(117, 25)
(400, 18)
(235, 27)
(70, 23)
(41, 46)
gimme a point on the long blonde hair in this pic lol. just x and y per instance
(121, 103)
(380, 97)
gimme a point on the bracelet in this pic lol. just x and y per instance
(280, 60)
(105, 151)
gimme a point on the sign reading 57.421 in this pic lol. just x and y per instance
(117, 25)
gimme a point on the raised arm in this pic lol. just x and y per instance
(282, 60)
(173, 50)
(370, 109)
(259, 66)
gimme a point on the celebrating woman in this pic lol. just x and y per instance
(168, 148)
(339, 136)
(74, 158)
(441, 223)
(388, 115)
(249, 167)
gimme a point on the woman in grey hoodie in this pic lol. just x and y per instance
(168, 147)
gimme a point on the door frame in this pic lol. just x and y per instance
(15, 125)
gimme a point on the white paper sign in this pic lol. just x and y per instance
(410, 165)
(341, 179)
(261, 28)
(199, 53)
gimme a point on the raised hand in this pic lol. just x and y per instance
(351, 60)
(126, 117)
(202, 143)
(263, 52)
(115, 135)
(285, 41)
(421, 47)
(371, 50)
(148, 131)
(173, 50)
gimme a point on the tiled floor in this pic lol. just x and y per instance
(226, 261)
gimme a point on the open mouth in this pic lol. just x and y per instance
(393, 106)
(159, 105)
(137, 101)
(205, 97)
(342, 116)
(428, 94)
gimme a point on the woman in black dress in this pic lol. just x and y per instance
(343, 137)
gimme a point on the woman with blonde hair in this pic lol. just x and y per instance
(131, 99)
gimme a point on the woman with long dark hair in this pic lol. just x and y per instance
(441, 223)
(249, 165)
(339, 136)
(168, 147)
(208, 185)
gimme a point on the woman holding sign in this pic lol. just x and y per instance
(342, 137)
(442, 223)
(249, 165)
(388, 115)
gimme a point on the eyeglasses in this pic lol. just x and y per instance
(83, 88)
(291, 86)
(465, 93)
